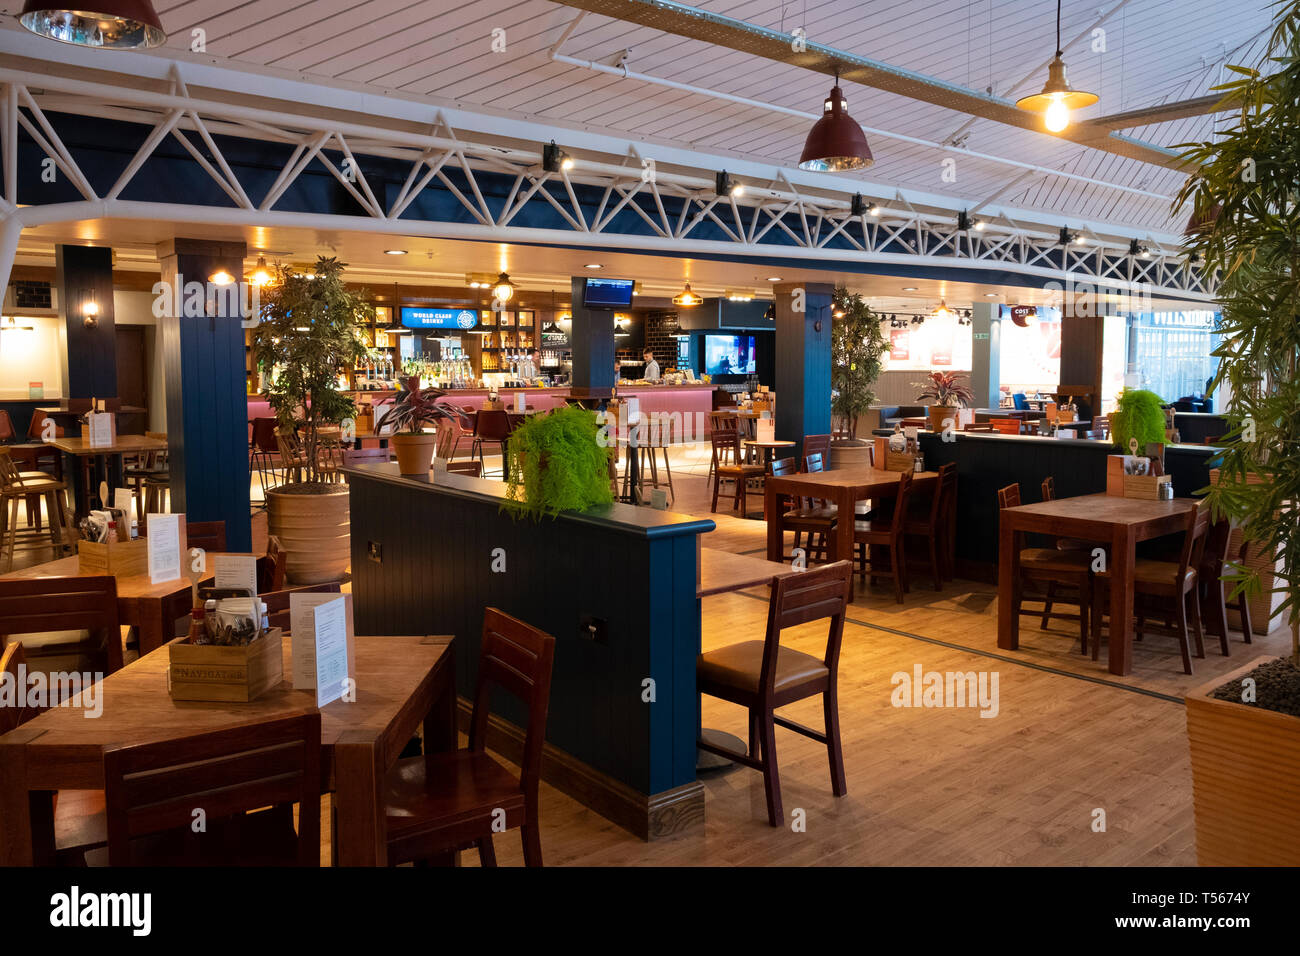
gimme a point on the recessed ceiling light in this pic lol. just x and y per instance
(773, 278)
(593, 265)
(909, 288)
(991, 295)
(394, 252)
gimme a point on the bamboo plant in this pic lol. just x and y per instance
(1245, 234)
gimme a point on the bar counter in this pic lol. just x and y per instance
(428, 556)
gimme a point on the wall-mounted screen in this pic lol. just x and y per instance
(729, 355)
(607, 293)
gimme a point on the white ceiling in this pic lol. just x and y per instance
(1156, 51)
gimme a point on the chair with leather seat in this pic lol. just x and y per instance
(884, 533)
(1047, 568)
(726, 445)
(245, 778)
(1215, 603)
(925, 518)
(442, 802)
(801, 520)
(762, 676)
(1167, 586)
(64, 624)
(491, 427)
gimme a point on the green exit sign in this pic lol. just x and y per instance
(981, 335)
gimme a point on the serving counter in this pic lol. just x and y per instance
(616, 586)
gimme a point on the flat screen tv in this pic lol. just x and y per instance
(729, 355)
(607, 293)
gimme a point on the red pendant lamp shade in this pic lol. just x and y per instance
(108, 24)
(836, 142)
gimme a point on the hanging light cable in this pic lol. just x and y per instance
(1057, 98)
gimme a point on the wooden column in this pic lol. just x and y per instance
(85, 279)
(986, 351)
(803, 360)
(1081, 357)
(207, 408)
(592, 340)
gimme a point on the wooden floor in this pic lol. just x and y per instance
(931, 786)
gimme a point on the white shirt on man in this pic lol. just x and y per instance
(652, 370)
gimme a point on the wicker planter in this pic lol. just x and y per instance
(851, 453)
(939, 413)
(314, 530)
(1245, 779)
(414, 452)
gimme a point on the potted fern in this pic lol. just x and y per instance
(946, 393)
(309, 333)
(1244, 731)
(1139, 414)
(557, 463)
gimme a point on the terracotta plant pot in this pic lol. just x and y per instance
(1245, 779)
(850, 453)
(314, 530)
(938, 413)
(414, 452)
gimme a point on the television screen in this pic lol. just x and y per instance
(607, 293)
(729, 355)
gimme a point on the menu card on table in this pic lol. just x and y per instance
(164, 547)
(304, 646)
(235, 571)
(330, 637)
(101, 429)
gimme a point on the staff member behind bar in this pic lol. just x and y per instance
(651, 366)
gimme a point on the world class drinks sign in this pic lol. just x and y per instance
(418, 317)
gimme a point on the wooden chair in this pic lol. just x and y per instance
(726, 444)
(147, 465)
(271, 566)
(264, 451)
(1006, 426)
(491, 427)
(450, 434)
(17, 487)
(721, 422)
(11, 659)
(469, 467)
(366, 456)
(277, 601)
(1175, 585)
(948, 524)
(293, 459)
(1212, 592)
(886, 534)
(762, 676)
(447, 801)
(983, 427)
(151, 791)
(1064, 544)
(60, 621)
(157, 482)
(208, 535)
(815, 522)
(819, 445)
(925, 519)
(1101, 424)
(1047, 568)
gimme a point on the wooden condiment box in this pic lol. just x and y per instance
(230, 674)
(887, 460)
(122, 559)
(1144, 486)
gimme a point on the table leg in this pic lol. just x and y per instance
(359, 800)
(153, 633)
(1008, 573)
(844, 502)
(1121, 601)
(15, 812)
(772, 515)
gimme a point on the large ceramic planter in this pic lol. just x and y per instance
(939, 414)
(414, 452)
(313, 530)
(1245, 779)
(850, 453)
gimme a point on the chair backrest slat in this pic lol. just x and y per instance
(796, 599)
(208, 535)
(277, 602)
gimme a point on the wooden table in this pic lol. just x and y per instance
(402, 682)
(722, 571)
(845, 487)
(152, 608)
(1108, 519)
(82, 449)
(767, 447)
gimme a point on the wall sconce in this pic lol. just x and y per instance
(90, 314)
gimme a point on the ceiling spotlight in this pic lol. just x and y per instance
(770, 312)
(593, 265)
(773, 278)
(261, 275)
(874, 210)
(1066, 236)
(504, 290)
(221, 277)
(963, 221)
(394, 252)
(978, 225)
(686, 297)
(555, 159)
(724, 185)
(858, 207)
(991, 295)
(738, 295)
(836, 142)
(112, 25)
(909, 288)
(1080, 239)
(1057, 98)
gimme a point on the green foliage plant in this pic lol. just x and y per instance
(857, 345)
(557, 464)
(1139, 414)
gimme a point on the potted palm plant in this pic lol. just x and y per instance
(1244, 732)
(857, 345)
(308, 335)
(946, 393)
(413, 409)
(557, 463)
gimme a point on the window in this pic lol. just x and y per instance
(1171, 352)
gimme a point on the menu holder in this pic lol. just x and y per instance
(101, 429)
(235, 674)
(166, 547)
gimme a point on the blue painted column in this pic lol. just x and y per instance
(803, 360)
(207, 407)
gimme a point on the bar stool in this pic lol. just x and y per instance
(16, 486)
